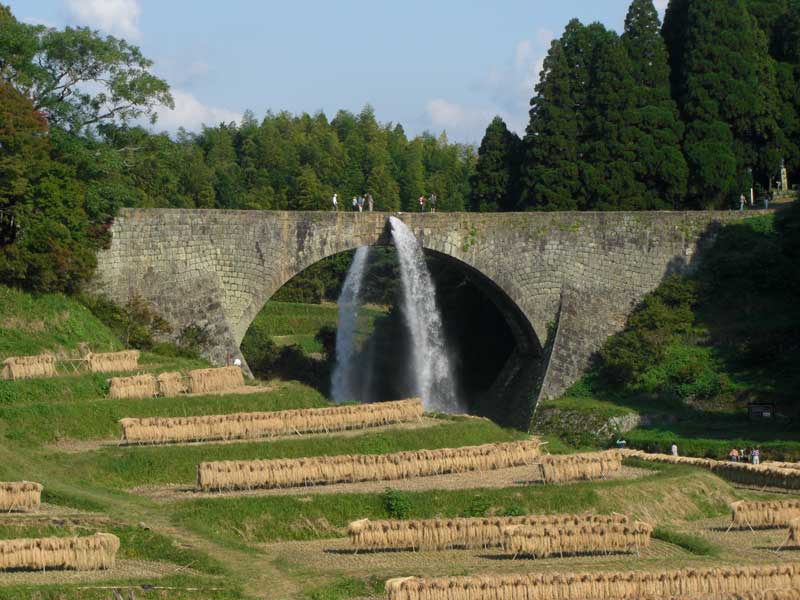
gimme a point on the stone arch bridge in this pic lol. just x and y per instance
(564, 281)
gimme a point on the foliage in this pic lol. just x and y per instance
(136, 323)
(497, 170)
(397, 504)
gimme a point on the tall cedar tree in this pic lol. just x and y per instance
(661, 165)
(549, 175)
(724, 84)
(497, 170)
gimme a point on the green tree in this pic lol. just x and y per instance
(724, 84)
(496, 181)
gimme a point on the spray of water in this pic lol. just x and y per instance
(342, 388)
(432, 370)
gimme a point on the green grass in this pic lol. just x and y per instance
(133, 466)
(306, 341)
(692, 543)
(176, 587)
(34, 418)
(30, 324)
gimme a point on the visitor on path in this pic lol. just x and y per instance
(422, 204)
(756, 456)
(237, 362)
(734, 455)
(673, 449)
(742, 202)
(355, 203)
(361, 204)
(370, 202)
(335, 202)
(766, 200)
(433, 203)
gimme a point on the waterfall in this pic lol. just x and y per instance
(432, 371)
(342, 388)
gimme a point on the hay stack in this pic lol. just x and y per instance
(794, 533)
(136, 386)
(781, 465)
(576, 467)
(265, 424)
(20, 495)
(172, 384)
(28, 367)
(245, 475)
(763, 475)
(541, 542)
(209, 381)
(705, 583)
(464, 533)
(79, 553)
(113, 362)
(777, 513)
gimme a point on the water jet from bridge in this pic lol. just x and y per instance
(432, 371)
(342, 388)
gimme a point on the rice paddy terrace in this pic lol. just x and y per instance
(207, 489)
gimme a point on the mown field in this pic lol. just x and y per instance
(64, 433)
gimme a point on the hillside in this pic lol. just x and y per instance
(698, 350)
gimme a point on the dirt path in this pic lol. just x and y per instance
(78, 446)
(500, 478)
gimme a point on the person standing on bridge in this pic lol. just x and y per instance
(433, 203)
(742, 202)
(355, 203)
(335, 202)
(370, 202)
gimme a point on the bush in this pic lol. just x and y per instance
(397, 504)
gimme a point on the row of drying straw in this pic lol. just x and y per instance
(245, 475)
(742, 473)
(773, 513)
(560, 468)
(541, 542)
(200, 381)
(265, 424)
(79, 553)
(465, 533)
(20, 495)
(44, 365)
(703, 583)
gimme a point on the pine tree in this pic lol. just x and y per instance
(495, 183)
(549, 175)
(660, 163)
(724, 84)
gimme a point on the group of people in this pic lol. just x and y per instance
(743, 203)
(746, 455)
(423, 202)
(359, 202)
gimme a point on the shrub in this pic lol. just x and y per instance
(397, 504)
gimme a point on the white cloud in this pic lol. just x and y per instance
(191, 114)
(461, 123)
(117, 17)
(661, 5)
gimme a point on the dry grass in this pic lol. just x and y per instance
(781, 465)
(463, 533)
(742, 473)
(172, 384)
(136, 386)
(578, 467)
(245, 475)
(78, 553)
(776, 513)
(222, 379)
(701, 583)
(575, 538)
(112, 362)
(20, 496)
(268, 424)
(28, 367)
(794, 533)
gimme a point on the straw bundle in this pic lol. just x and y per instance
(540, 542)
(264, 424)
(686, 583)
(137, 386)
(78, 553)
(171, 384)
(466, 533)
(20, 495)
(781, 465)
(242, 475)
(778, 513)
(742, 473)
(113, 362)
(204, 381)
(794, 533)
(574, 467)
(27, 367)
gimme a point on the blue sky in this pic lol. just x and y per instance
(436, 64)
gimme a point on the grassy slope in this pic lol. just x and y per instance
(696, 390)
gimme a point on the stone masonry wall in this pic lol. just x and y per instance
(217, 268)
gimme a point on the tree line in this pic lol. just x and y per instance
(685, 115)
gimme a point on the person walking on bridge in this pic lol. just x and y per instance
(335, 202)
(370, 202)
(355, 203)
